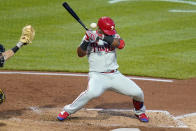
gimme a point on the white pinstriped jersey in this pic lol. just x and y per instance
(101, 57)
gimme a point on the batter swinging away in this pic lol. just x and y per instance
(100, 47)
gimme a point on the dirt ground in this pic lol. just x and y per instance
(34, 101)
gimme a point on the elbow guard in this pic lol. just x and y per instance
(108, 39)
(121, 44)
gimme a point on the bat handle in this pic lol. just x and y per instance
(86, 28)
(83, 25)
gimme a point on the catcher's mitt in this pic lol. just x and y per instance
(2, 96)
(28, 34)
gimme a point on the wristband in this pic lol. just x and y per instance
(108, 39)
(84, 45)
(15, 49)
(19, 44)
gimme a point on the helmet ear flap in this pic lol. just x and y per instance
(2, 49)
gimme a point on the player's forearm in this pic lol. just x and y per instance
(81, 52)
(9, 53)
(115, 42)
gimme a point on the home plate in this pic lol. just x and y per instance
(127, 129)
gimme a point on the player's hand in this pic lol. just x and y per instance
(27, 36)
(91, 36)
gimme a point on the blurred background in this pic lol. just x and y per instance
(160, 35)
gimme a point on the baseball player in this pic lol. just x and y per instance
(27, 36)
(100, 47)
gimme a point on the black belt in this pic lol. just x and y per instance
(112, 71)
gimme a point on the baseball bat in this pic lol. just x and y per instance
(72, 12)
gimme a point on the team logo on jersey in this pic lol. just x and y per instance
(104, 47)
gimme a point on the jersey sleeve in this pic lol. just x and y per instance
(2, 60)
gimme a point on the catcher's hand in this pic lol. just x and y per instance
(28, 34)
(2, 96)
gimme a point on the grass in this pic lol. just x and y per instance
(158, 43)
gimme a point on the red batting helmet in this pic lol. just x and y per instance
(107, 25)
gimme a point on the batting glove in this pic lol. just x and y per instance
(91, 36)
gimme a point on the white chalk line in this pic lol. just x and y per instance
(174, 1)
(82, 75)
(35, 109)
(126, 129)
(180, 1)
(183, 11)
(116, 1)
(186, 115)
(179, 123)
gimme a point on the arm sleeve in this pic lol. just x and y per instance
(2, 60)
(84, 44)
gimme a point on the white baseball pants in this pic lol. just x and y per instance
(100, 82)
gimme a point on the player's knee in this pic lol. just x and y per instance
(139, 95)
